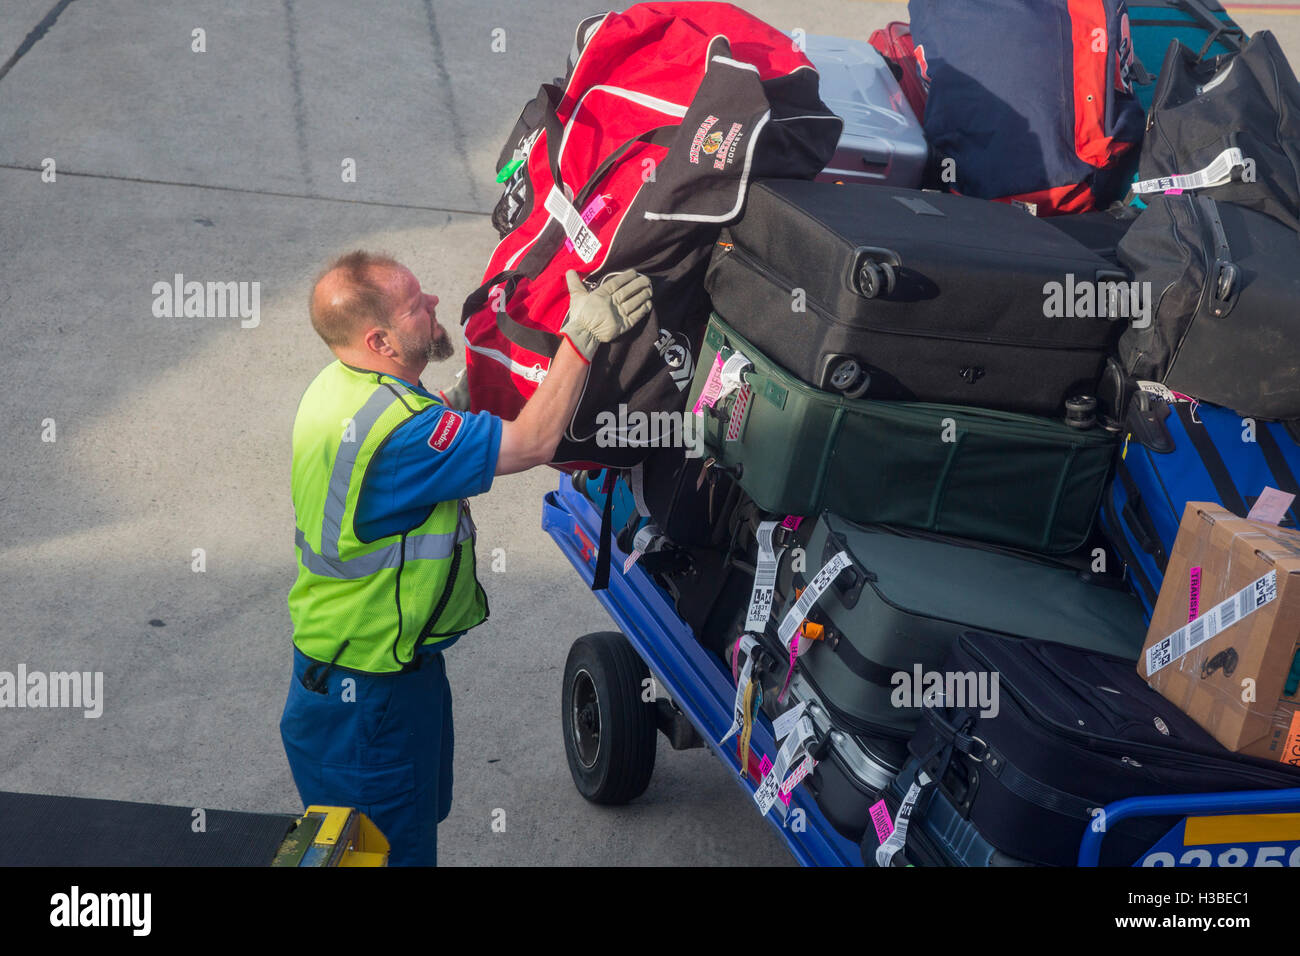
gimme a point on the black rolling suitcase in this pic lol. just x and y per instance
(888, 293)
(1073, 731)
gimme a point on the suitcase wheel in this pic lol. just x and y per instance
(849, 377)
(875, 278)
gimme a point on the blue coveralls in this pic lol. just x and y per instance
(383, 742)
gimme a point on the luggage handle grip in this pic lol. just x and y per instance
(1223, 273)
(1113, 311)
(950, 731)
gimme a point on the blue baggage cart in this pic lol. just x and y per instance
(1254, 828)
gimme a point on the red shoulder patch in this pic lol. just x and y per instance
(444, 433)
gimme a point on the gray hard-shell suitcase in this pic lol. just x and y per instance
(903, 600)
(882, 142)
(852, 770)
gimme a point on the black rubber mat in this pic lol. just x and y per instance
(38, 830)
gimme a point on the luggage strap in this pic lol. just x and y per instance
(600, 579)
(1277, 464)
(1015, 780)
(1215, 467)
(546, 245)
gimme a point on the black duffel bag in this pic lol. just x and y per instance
(1225, 287)
(1230, 123)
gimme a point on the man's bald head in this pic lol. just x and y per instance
(355, 293)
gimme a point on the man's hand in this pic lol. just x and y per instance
(616, 306)
(457, 395)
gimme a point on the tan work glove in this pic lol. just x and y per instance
(614, 307)
(457, 395)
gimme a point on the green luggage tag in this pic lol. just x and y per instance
(509, 168)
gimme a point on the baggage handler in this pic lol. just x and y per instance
(384, 541)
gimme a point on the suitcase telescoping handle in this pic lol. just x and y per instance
(874, 271)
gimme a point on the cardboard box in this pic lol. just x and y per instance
(1226, 629)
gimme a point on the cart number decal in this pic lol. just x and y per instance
(1217, 619)
(820, 582)
(738, 708)
(760, 598)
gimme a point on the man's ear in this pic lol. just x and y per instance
(377, 341)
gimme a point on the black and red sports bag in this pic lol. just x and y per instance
(1031, 100)
(635, 161)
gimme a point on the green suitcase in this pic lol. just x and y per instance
(892, 615)
(1002, 477)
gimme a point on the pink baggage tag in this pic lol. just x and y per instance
(593, 208)
(880, 817)
(712, 386)
(1194, 596)
(792, 522)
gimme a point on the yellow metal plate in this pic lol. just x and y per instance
(1243, 828)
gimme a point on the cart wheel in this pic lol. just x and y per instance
(609, 731)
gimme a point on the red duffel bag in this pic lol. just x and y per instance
(635, 161)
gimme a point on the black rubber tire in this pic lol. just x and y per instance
(623, 760)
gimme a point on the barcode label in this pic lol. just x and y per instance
(760, 597)
(1229, 614)
(583, 239)
(738, 705)
(1223, 615)
(820, 582)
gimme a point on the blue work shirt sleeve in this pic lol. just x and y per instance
(439, 454)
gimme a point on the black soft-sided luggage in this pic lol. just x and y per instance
(1203, 109)
(1225, 291)
(891, 293)
(904, 599)
(1074, 731)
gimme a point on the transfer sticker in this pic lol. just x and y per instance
(583, 239)
(898, 836)
(1217, 619)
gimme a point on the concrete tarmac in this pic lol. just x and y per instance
(145, 521)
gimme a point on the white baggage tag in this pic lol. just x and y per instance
(732, 370)
(820, 582)
(784, 723)
(1217, 619)
(583, 239)
(1216, 174)
(738, 708)
(760, 597)
(886, 851)
(772, 786)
